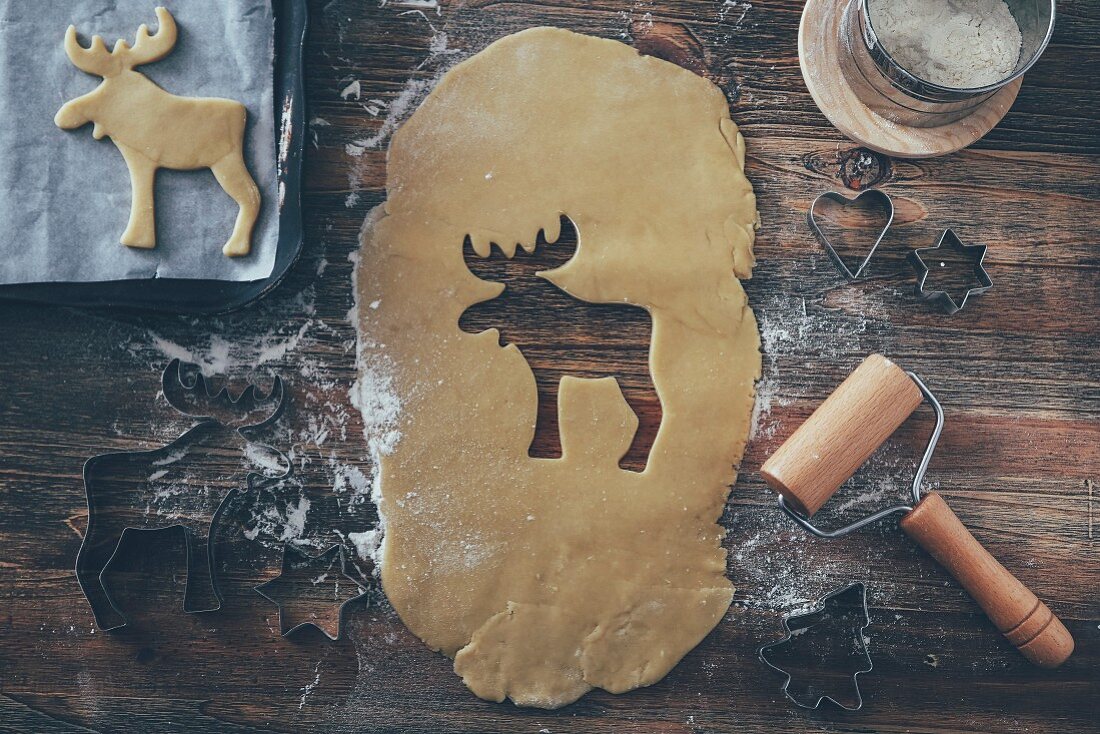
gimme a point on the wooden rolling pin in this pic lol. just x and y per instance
(841, 434)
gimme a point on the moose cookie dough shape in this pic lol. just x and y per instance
(154, 129)
(544, 578)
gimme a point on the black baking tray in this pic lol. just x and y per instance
(181, 295)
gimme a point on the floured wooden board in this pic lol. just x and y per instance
(544, 578)
(1016, 372)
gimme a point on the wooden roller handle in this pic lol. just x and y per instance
(841, 434)
(1027, 622)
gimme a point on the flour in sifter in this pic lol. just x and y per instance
(962, 44)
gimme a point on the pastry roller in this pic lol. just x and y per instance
(834, 442)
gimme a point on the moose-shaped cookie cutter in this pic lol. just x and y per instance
(155, 129)
(134, 481)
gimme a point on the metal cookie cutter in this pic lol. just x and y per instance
(975, 252)
(183, 481)
(887, 202)
(798, 624)
(312, 573)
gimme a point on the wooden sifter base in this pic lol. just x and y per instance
(819, 54)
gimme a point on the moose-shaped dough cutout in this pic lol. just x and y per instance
(154, 129)
(548, 324)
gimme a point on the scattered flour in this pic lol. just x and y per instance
(775, 565)
(213, 360)
(440, 58)
(731, 17)
(269, 461)
(328, 493)
(787, 326)
(734, 7)
(308, 688)
(410, 96)
(367, 544)
(407, 100)
(285, 527)
(374, 395)
(376, 398)
(315, 124)
(353, 90)
(352, 479)
(766, 395)
(220, 355)
(171, 458)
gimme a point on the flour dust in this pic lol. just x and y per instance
(326, 498)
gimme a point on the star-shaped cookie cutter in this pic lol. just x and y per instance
(297, 562)
(838, 198)
(796, 624)
(976, 253)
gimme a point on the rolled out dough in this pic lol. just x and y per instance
(544, 578)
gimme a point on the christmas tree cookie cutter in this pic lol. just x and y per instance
(795, 625)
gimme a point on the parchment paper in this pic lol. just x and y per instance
(65, 197)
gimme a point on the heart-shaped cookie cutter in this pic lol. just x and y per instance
(839, 198)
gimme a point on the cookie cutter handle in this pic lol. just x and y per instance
(842, 434)
(1025, 620)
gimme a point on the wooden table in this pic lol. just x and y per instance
(1018, 373)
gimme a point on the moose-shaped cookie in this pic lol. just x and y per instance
(154, 129)
(186, 484)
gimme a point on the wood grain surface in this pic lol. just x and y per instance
(1018, 373)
